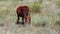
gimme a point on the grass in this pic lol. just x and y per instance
(8, 15)
(57, 22)
(3, 15)
(58, 3)
(36, 7)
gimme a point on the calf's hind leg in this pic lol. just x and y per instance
(18, 19)
(23, 20)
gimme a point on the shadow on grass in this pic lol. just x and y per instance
(22, 23)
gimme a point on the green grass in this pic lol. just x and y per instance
(9, 14)
(57, 22)
(58, 3)
(36, 7)
(3, 15)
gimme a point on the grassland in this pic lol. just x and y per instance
(48, 13)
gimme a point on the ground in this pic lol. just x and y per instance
(48, 16)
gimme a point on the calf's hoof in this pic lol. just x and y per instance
(22, 23)
(17, 22)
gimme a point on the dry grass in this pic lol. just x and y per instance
(8, 19)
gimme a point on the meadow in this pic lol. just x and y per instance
(45, 12)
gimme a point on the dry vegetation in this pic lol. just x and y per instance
(45, 14)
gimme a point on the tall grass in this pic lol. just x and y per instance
(58, 3)
(36, 6)
(3, 15)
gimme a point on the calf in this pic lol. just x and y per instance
(23, 12)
